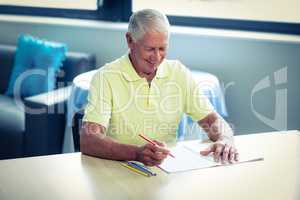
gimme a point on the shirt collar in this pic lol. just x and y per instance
(130, 74)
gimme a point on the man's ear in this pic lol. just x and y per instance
(129, 39)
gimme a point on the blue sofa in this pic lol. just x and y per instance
(24, 133)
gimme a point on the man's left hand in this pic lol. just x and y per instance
(222, 151)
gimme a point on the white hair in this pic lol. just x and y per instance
(147, 20)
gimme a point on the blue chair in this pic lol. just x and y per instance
(211, 87)
(187, 128)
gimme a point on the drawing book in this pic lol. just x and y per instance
(188, 157)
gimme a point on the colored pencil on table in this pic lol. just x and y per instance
(134, 169)
(151, 142)
(143, 168)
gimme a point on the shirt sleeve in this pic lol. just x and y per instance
(197, 105)
(99, 106)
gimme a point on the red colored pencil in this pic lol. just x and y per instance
(152, 142)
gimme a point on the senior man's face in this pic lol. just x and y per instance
(148, 52)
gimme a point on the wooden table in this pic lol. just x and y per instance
(76, 176)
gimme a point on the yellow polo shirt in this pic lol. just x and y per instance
(123, 102)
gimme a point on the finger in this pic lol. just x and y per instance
(208, 150)
(147, 152)
(236, 156)
(163, 150)
(151, 147)
(155, 148)
(160, 155)
(225, 153)
(162, 144)
(232, 152)
(150, 164)
(154, 162)
(145, 160)
(218, 152)
(165, 153)
(158, 162)
(154, 155)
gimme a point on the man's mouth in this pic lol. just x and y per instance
(151, 63)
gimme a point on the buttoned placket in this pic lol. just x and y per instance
(148, 91)
(152, 92)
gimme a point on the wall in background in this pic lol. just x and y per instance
(241, 61)
(268, 10)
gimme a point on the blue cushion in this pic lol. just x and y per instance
(36, 64)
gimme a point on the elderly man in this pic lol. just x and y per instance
(142, 92)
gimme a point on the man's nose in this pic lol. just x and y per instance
(157, 55)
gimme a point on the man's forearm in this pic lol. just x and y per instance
(97, 144)
(224, 130)
(216, 127)
(220, 132)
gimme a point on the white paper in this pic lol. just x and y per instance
(188, 157)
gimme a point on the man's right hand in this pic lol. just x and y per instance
(152, 155)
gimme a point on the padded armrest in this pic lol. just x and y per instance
(7, 54)
(45, 119)
(51, 98)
